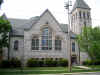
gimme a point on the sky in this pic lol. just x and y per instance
(25, 9)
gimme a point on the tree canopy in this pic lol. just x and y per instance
(89, 41)
(1, 1)
(4, 29)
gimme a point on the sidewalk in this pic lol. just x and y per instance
(83, 67)
(78, 73)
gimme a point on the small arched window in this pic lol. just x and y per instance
(84, 15)
(80, 15)
(73, 46)
(16, 44)
(58, 44)
(84, 23)
(88, 15)
(76, 15)
(35, 43)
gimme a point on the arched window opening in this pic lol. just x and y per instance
(35, 43)
(88, 15)
(73, 46)
(84, 15)
(76, 15)
(58, 44)
(85, 24)
(80, 15)
(46, 39)
(16, 43)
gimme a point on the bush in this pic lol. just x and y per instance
(50, 63)
(63, 62)
(97, 62)
(40, 63)
(33, 62)
(14, 62)
(5, 64)
(54, 63)
(87, 62)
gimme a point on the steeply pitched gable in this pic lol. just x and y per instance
(80, 4)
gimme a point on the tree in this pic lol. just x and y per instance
(4, 34)
(89, 41)
(1, 1)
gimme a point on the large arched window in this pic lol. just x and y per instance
(46, 39)
(16, 43)
(58, 43)
(35, 43)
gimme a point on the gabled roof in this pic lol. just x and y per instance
(80, 4)
(64, 28)
(18, 25)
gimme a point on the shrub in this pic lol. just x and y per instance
(32, 62)
(97, 62)
(5, 64)
(40, 63)
(54, 63)
(15, 62)
(63, 62)
(50, 63)
(87, 62)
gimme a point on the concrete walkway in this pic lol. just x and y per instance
(83, 67)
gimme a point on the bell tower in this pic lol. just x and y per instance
(80, 16)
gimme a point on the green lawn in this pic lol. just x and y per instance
(40, 70)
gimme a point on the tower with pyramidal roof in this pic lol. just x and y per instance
(80, 16)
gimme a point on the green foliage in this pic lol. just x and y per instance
(4, 29)
(63, 62)
(1, 1)
(90, 62)
(13, 63)
(89, 41)
(87, 62)
(33, 62)
(48, 62)
(5, 64)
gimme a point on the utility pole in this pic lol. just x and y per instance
(67, 6)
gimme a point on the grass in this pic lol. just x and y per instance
(95, 66)
(40, 70)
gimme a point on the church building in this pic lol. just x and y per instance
(43, 36)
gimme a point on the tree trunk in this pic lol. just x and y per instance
(1, 54)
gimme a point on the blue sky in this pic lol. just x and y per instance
(26, 9)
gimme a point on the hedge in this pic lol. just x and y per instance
(12, 63)
(48, 62)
